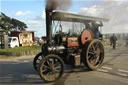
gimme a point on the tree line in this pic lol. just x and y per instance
(8, 24)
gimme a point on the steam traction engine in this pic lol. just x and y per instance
(61, 48)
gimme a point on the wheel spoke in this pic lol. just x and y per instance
(43, 71)
(57, 67)
(94, 62)
(93, 47)
(38, 59)
(48, 63)
(55, 74)
(91, 52)
(97, 59)
(48, 74)
(97, 44)
(53, 63)
(57, 71)
(89, 57)
(46, 66)
(52, 75)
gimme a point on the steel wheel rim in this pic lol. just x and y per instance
(51, 69)
(95, 53)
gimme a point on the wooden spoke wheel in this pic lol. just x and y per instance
(51, 68)
(93, 54)
(37, 60)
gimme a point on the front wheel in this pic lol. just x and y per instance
(93, 54)
(51, 68)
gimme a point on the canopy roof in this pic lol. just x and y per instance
(70, 17)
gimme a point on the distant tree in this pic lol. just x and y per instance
(5, 22)
(8, 24)
(18, 25)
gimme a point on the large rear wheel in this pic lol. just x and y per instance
(51, 68)
(93, 54)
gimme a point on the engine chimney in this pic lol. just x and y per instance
(49, 25)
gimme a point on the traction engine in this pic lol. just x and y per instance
(63, 49)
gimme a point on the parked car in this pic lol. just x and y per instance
(13, 42)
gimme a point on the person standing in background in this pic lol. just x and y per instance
(113, 40)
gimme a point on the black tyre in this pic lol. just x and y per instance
(37, 60)
(51, 68)
(93, 54)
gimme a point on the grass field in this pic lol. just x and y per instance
(16, 49)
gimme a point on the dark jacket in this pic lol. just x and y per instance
(113, 39)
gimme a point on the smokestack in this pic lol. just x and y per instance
(58, 4)
(50, 6)
(49, 26)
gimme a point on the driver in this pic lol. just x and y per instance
(95, 29)
(59, 35)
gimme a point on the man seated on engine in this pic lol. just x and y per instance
(95, 28)
(59, 35)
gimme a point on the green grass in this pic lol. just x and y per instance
(16, 49)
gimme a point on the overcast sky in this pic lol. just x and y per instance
(32, 12)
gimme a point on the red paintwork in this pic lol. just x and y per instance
(73, 42)
(86, 35)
